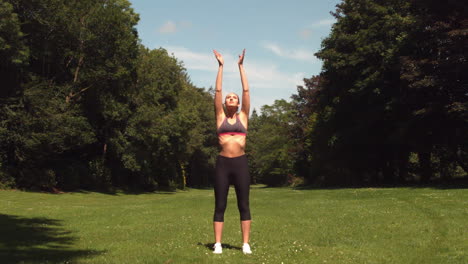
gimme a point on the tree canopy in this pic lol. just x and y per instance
(84, 105)
(390, 103)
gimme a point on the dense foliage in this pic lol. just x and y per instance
(390, 104)
(269, 147)
(84, 105)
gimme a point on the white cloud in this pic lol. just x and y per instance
(168, 27)
(172, 27)
(267, 81)
(193, 60)
(259, 73)
(306, 33)
(269, 76)
(296, 54)
(205, 61)
(185, 24)
(324, 22)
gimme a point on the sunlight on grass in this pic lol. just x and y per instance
(388, 225)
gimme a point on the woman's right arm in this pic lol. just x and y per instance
(218, 97)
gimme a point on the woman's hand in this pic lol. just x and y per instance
(241, 58)
(219, 57)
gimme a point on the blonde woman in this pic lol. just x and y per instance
(231, 164)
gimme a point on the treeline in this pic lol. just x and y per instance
(389, 106)
(85, 105)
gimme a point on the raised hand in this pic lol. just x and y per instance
(241, 58)
(219, 57)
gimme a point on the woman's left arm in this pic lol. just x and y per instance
(245, 87)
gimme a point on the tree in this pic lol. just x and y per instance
(361, 78)
(269, 145)
(304, 104)
(433, 72)
(68, 75)
(389, 104)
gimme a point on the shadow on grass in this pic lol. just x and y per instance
(225, 246)
(201, 187)
(441, 185)
(37, 240)
(121, 191)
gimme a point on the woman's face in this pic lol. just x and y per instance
(232, 100)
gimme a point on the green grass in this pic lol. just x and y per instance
(382, 225)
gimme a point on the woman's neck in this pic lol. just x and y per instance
(231, 113)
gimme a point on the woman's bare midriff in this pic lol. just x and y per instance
(232, 145)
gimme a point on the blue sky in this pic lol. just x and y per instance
(280, 38)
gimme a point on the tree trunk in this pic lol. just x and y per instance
(403, 161)
(425, 165)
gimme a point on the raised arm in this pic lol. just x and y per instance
(218, 98)
(245, 87)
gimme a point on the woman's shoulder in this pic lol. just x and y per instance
(241, 114)
(220, 118)
(243, 118)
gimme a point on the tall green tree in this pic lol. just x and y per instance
(269, 146)
(154, 131)
(170, 134)
(196, 107)
(303, 125)
(433, 72)
(74, 65)
(389, 105)
(14, 55)
(13, 49)
(361, 78)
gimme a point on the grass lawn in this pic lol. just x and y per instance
(368, 225)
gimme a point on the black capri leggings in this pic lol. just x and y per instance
(232, 171)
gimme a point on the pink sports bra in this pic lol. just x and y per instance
(235, 129)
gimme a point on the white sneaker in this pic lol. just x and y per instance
(246, 249)
(217, 248)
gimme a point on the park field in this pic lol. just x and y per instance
(364, 225)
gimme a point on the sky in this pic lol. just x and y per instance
(280, 38)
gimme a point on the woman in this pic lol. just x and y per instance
(231, 164)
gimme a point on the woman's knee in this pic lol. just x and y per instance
(244, 209)
(219, 212)
(245, 214)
